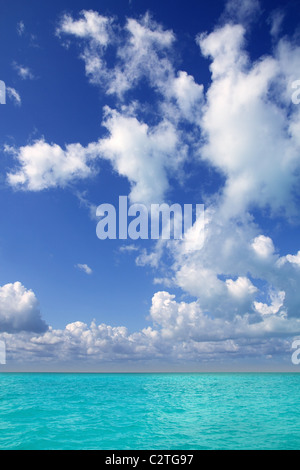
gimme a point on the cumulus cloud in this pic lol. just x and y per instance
(19, 310)
(96, 32)
(188, 94)
(187, 321)
(277, 301)
(140, 48)
(263, 246)
(249, 132)
(180, 331)
(90, 26)
(144, 153)
(243, 126)
(143, 55)
(241, 288)
(43, 165)
(294, 259)
(141, 154)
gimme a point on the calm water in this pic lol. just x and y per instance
(149, 411)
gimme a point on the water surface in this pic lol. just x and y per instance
(149, 411)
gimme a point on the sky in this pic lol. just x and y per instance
(176, 102)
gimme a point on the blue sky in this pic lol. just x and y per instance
(177, 102)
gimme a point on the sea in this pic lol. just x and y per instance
(150, 411)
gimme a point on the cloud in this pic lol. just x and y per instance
(140, 47)
(243, 127)
(242, 11)
(128, 248)
(91, 26)
(188, 94)
(144, 54)
(275, 20)
(141, 154)
(249, 131)
(248, 123)
(14, 95)
(181, 331)
(96, 33)
(277, 301)
(85, 268)
(85, 202)
(294, 259)
(187, 322)
(19, 310)
(241, 288)
(146, 154)
(43, 165)
(24, 72)
(20, 28)
(263, 246)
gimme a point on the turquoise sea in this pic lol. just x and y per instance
(149, 411)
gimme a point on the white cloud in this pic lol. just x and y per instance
(250, 136)
(91, 25)
(85, 268)
(180, 331)
(276, 19)
(187, 322)
(24, 72)
(43, 165)
(144, 54)
(188, 95)
(242, 11)
(141, 154)
(140, 50)
(249, 129)
(277, 301)
(20, 28)
(14, 95)
(19, 310)
(244, 127)
(224, 46)
(263, 246)
(96, 33)
(147, 155)
(128, 248)
(241, 288)
(292, 259)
